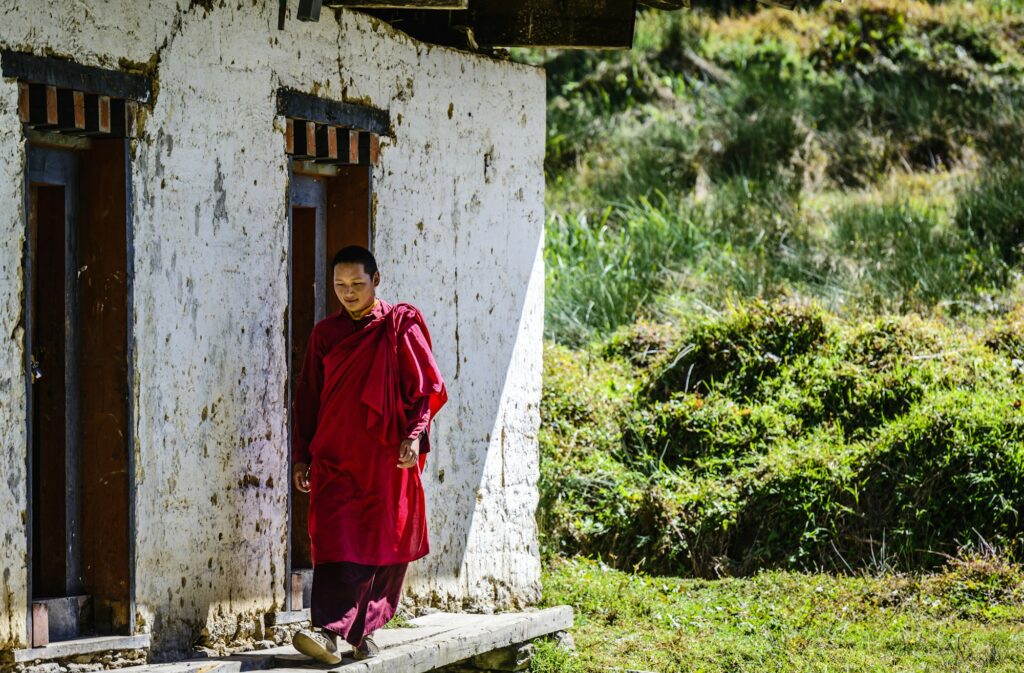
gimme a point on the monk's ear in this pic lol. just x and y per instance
(376, 278)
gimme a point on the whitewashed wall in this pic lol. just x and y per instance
(13, 490)
(459, 219)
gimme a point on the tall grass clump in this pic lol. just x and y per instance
(601, 274)
(991, 210)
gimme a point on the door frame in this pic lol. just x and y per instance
(56, 167)
(304, 191)
(63, 144)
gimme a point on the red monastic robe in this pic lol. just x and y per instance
(365, 386)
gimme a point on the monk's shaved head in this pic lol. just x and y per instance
(356, 254)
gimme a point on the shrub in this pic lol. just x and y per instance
(890, 340)
(642, 343)
(1006, 336)
(581, 397)
(951, 469)
(737, 351)
(690, 429)
(790, 516)
(855, 398)
(877, 444)
(977, 582)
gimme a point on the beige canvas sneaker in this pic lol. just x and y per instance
(318, 645)
(366, 649)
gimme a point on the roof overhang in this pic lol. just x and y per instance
(490, 24)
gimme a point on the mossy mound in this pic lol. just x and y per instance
(736, 353)
(890, 441)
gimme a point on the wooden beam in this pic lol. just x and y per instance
(296, 591)
(351, 139)
(597, 24)
(104, 117)
(69, 75)
(23, 102)
(68, 118)
(399, 4)
(309, 10)
(667, 5)
(40, 625)
(335, 113)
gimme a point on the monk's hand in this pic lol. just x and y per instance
(300, 477)
(408, 453)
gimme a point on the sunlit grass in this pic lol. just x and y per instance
(785, 622)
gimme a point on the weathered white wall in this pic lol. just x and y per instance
(459, 227)
(13, 490)
(463, 242)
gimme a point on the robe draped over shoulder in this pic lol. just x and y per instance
(365, 386)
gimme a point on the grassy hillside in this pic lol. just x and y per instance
(785, 311)
(785, 260)
(866, 154)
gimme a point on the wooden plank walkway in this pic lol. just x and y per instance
(431, 642)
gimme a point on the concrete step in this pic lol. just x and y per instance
(429, 643)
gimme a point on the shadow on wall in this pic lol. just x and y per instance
(469, 501)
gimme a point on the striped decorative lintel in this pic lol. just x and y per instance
(328, 144)
(50, 108)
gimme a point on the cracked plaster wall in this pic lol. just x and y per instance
(458, 222)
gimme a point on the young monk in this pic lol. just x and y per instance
(368, 390)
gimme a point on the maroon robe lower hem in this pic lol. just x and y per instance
(352, 600)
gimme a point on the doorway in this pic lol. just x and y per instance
(77, 307)
(329, 208)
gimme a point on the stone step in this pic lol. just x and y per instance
(430, 642)
(79, 647)
(63, 618)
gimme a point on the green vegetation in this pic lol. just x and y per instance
(865, 154)
(969, 617)
(779, 436)
(785, 312)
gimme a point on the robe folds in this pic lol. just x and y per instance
(365, 386)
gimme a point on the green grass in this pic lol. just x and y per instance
(755, 155)
(785, 322)
(955, 249)
(841, 93)
(969, 617)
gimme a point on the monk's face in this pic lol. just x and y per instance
(356, 289)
